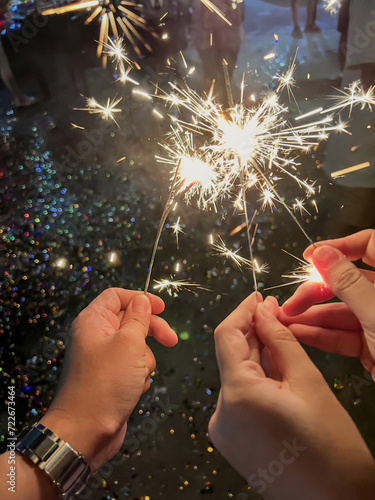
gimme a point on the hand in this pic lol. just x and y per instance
(284, 431)
(106, 370)
(346, 328)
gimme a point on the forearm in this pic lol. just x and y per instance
(23, 479)
(354, 481)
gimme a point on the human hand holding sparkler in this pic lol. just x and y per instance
(282, 428)
(346, 328)
(106, 371)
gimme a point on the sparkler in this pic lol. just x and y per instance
(192, 175)
(257, 145)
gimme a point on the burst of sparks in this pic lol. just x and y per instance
(106, 111)
(122, 16)
(173, 287)
(197, 174)
(116, 50)
(304, 272)
(332, 6)
(258, 141)
(246, 146)
(351, 96)
(222, 250)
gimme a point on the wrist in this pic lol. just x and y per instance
(79, 434)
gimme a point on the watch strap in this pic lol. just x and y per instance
(66, 468)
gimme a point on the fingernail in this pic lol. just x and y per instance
(326, 256)
(267, 308)
(140, 304)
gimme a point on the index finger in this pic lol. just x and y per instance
(117, 299)
(356, 246)
(331, 316)
(306, 295)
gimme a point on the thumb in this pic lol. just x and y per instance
(137, 318)
(347, 282)
(290, 359)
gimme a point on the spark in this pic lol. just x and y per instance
(177, 229)
(77, 126)
(117, 51)
(315, 206)
(354, 168)
(106, 111)
(299, 205)
(157, 113)
(263, 268)
(173, 287)
(222, 250)
(351, 96)
(212, 7)
(70, 8)
(287, 80)
(142, 93)
(307, 115)
(267, 199)
(183, 59)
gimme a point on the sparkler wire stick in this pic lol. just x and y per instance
(243, 189)
(166, 212)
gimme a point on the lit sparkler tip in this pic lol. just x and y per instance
(305, 272)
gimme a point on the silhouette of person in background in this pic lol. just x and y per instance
(21, 100)
(6, 74)
(310, 26)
